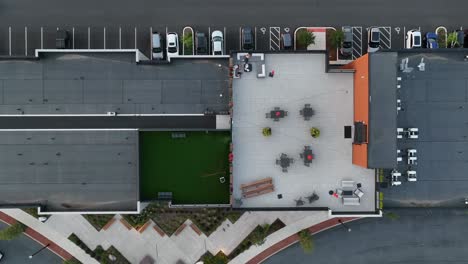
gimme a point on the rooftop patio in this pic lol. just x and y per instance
(313, 165)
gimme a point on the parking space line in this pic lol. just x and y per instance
(73, 37)
(255, 38)
(104, 37)
(357, 42)
(224, 44)
(209, 40)
(42, 38)
(275, 36)
(120, 37)
(26, 41)
(135, 37)
(404, 37)
(151, 43)
(240, 38)
(89, 38)
(9, 39)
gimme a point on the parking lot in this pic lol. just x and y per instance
(23, 41)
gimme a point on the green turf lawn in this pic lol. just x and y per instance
(188, 167)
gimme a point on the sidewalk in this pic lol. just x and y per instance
(43, 234)
(283, 239)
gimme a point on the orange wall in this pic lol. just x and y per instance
(361, 103)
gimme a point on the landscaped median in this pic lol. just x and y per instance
(286, 237)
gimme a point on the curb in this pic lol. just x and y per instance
(288, 241)
(40, 239)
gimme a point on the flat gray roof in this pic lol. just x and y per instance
(382, 110)
(70, 170)
(300, 78)
(436, 102)
(95, 83)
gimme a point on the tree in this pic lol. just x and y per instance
(305, 239)
(188, 43)
(12, 231)
(336, 38)
(452, 40)
(315, 132)
(266, 131)
(219, 258)
(260, 233)
(304, 38)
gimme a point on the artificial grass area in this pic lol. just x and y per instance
(188, 167)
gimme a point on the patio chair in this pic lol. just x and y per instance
(307, 105)
(301, 155)
(277, 108)
(276, 119)
(277, 162)
(285, 170)
(312, 198)
(301, 112)
(267, 115)
(291, 160)
(285, 113)
(299, 202)
(307, 164)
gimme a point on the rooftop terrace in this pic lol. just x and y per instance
(299, 79)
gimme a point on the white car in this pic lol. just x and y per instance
(217, 42)
(413, 39)
(373, 35)
(172, 40)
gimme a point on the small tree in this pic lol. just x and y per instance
(304, 38)
(452, 40)
(12, 231)
(260, 233)
(305, 239)
(442, 38)
(336, 38)
(188, 43)
(266, 131)
(315, 132)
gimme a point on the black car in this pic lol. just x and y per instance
(62, 40)
(247, 39)
(201, 43)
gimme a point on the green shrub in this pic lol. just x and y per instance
(304, 38)
(266, 131)
(219, 258)
(72, 261)
(336, 37)
(452, 40)
(315, 132)
(188, 43)
(12, 231)
(306, 242)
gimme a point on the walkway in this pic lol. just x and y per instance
(187, 245)
(418, 236)
(44, 234)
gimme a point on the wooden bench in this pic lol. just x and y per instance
(262, 190)
(256, 184)
(258, 190)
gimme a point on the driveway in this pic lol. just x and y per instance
(418, 236)
(16, 251)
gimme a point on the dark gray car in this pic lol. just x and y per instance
(347, 44)
(248, 39)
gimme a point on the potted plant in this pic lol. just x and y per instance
(266, 131)
(336, 37)
(452, 40)
(304, 38)
(315, 132)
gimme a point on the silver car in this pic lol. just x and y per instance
(373, 35)
(347, 44)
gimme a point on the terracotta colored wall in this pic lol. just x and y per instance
(361, 103)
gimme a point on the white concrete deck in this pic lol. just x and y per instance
(299, 79)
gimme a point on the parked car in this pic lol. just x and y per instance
(286, 41)
(347, 44)
(431, 40)
(172, 44)
(217, 42)
(248, 39)
(157, 46)
(413, 39)
(201, 43)
(62, 40)
(373, 35)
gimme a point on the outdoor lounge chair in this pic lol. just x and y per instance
(299, 202)
(312, 198)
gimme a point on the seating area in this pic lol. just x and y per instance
(257, 188)
(350, 193)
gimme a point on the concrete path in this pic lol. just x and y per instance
(50, 233)
(187, 245)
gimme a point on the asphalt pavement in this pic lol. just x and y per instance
(128, 24)
(17, 251)
(418, 236)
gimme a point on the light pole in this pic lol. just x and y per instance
(345, 226)
(42, 248)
